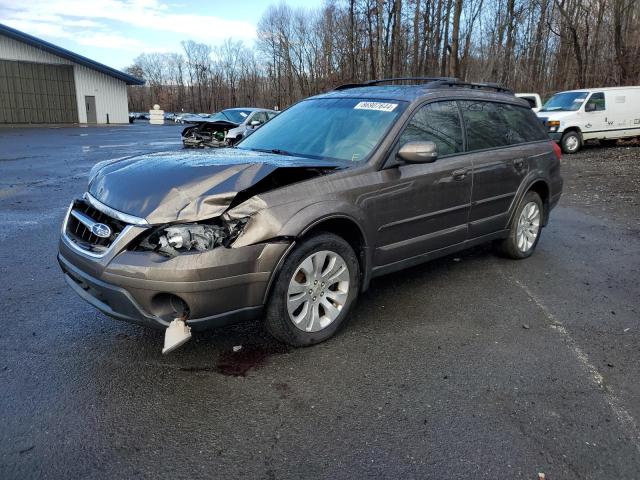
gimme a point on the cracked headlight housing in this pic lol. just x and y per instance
(172, 240)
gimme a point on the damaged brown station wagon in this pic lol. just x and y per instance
(294, 222)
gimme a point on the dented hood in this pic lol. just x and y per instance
(185, 185)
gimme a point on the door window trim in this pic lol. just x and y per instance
(389, 156)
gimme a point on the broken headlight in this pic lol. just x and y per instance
(172, 240)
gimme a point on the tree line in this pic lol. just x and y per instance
(538, 46)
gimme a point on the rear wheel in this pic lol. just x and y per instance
(525, 228)
(314, 291)
(571, 142)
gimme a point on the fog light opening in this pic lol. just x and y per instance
(168, 306)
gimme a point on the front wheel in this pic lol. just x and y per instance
(314, 291)
(525, 228)
(571, 142)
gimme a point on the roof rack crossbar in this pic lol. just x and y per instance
(472, 85)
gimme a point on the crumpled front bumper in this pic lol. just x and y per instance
(219, 286)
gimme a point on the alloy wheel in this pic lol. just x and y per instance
(318, 291)
(528, 226)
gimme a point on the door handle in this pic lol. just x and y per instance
(459, 174)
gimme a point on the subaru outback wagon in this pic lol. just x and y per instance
(294, 222)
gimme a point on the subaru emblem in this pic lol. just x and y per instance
(101, 230)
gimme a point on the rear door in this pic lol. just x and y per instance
(427, 204)
(501, 141)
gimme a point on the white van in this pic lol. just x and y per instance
(534, 100)
(604, 114)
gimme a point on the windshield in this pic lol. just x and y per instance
(235, 116)
(569, 101)
(344, 129)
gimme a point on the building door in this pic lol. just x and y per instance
(90, 104)
(37, 93)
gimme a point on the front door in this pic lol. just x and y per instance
(596, 121)
(90, 104)
(424, 207)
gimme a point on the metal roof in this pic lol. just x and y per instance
(64, 53)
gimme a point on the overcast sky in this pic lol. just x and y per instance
(114, 32)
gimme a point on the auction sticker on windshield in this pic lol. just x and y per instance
(380, 106)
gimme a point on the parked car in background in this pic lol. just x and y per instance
(226, 127)
(534, 100)
(293, 223)
(604, 114)
(191, 117)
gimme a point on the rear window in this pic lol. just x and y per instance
(491, 125)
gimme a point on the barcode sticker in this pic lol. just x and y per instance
(380, 106)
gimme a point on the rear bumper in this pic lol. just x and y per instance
(221, 286)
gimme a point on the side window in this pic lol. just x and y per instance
(595, 102)
(260, 117)
(524, 123)
(491, 125)
(438, 122)
(270, 115)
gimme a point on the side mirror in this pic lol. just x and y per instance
(255, 123)
(590, 107)
(418, 152)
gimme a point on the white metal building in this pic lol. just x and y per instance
(43, 83)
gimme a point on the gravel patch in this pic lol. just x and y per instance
(605, 182)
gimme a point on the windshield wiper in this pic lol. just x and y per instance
(276, 151)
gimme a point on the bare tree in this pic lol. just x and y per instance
(539, 45)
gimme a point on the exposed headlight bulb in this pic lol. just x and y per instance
(175, 237)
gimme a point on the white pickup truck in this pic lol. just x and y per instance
(535, 102)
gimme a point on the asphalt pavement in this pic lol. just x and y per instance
(471, 366)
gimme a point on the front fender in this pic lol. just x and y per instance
(292, 220)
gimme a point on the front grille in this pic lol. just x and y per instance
(82, 235)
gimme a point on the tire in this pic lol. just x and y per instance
(519, 244)
(609, 142)
(571, 142)
(288, 292)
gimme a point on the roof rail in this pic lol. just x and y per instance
(371, 83)
(480, 86)
(430, 82)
